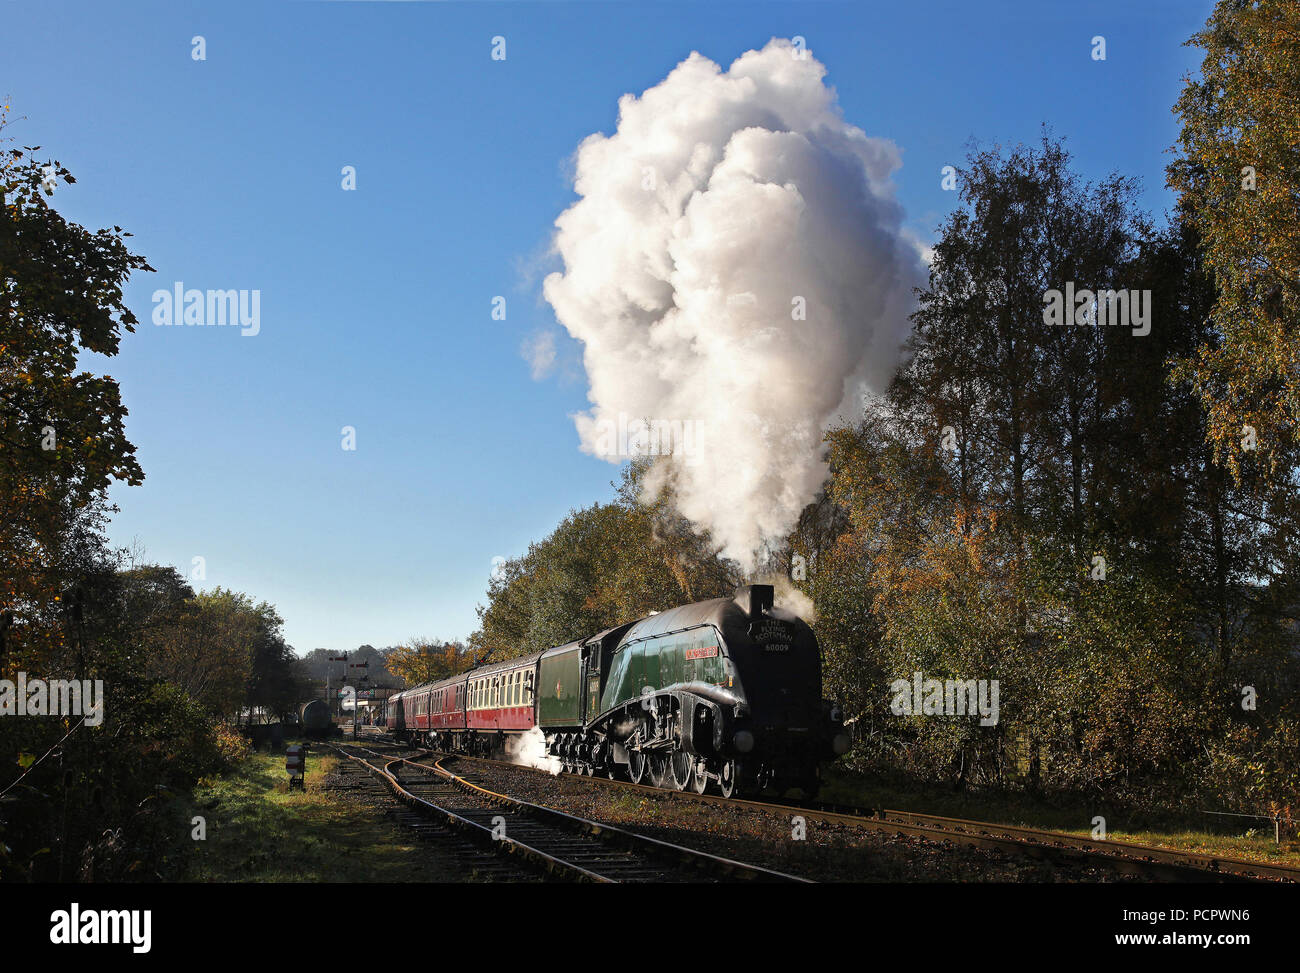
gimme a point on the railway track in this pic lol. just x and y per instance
(466, 857)
(563, 845)
(1122, 857)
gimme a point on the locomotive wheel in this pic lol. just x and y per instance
(727, 774)
(681, 765)
(636, 766)
(657, 766)
(700, 779)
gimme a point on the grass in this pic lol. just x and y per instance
(626, 803)
(260, 831)
(1023, 810)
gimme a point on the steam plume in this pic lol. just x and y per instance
(725, 204)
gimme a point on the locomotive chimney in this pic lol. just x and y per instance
(755, 600)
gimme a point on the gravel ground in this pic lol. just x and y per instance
(444, 858)
(829, 852)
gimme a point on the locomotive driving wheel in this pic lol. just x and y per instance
(636, 766)
(657, 769)
(728, 771)
(681, 766)
(700, 778)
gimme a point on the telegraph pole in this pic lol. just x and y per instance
(329, 700)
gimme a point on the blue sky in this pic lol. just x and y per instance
(376, 304)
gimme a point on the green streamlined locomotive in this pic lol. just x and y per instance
(723, 693)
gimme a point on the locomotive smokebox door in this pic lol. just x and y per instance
(295, 762)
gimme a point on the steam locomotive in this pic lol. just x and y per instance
(724, 693)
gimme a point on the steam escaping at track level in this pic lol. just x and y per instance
(529, 750)
(737, 272)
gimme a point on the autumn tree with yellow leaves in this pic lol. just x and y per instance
(422, 660)
(62, 434)
(1238, 177)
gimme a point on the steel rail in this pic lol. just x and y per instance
(630, 839)
(474, 828)
(1122, 856)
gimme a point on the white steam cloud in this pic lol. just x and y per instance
(736, 263)
(529, 750)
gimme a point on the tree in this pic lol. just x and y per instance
(274, 682)
(1020, 397)
(62, 438)
(1238, 176)
(1036, 504)
(208, 653)
(423, 660)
